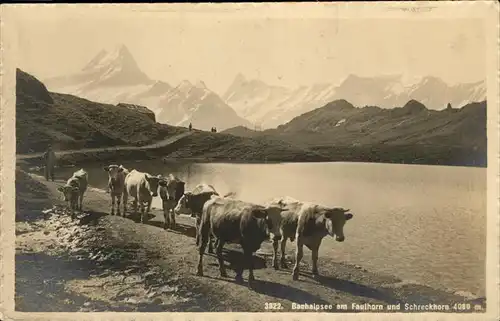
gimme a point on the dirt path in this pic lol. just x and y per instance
(99, 262)
(164, 143)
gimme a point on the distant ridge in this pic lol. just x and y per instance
(411, 133)
(272, 106)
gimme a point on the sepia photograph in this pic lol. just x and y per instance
(285, 158)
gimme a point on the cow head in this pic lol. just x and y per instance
(70, 193)
(153, 182)
(183, 205)
(174, 187)
(113, 170)
(179, 190)
(274, 211)
(335, 219)
(264, 223)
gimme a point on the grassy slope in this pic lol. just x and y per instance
(228, 147)
(410, 134)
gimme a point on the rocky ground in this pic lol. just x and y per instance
(99, 262)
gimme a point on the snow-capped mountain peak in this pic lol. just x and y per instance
(118, 56)
(200, 84)
(184, 86)
(113, 76)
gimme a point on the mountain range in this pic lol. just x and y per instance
(269, 106)
(113, 76)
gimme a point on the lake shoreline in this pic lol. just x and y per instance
(109, 155)
(172, 255)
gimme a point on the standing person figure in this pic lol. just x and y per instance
(190, 126)
(215, 129)
(50, 160)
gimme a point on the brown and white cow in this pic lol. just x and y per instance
(171, 191)
(192, 203)
(234, 221)
(308, 223)
(142, 187)
(116, 186)
(74, 190)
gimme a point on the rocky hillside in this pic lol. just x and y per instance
(113, 76)
(412, 133)
(270, 106)
(67, 121)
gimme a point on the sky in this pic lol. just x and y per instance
(278, 50)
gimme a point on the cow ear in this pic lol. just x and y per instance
(348, 216)
(120, 169)
(106, 168)
(60, 189)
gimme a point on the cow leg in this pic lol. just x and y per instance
(239, 273)
(46, 172)
(113, 204)
(135, 206)
(141, 205)
(211, 244)
(197, 228)
(145, 216)
(276, 238)
(249, 259)
(166, 218)
(72, 207)
(118, 201)
(172, 218)
(298, 256)
(201, 250)
(314, 256)
(282, 258)
(222, 268)
(52, 173)
(125, 200)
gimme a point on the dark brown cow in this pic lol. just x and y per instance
(234, 221)
(192, 203)
(309, 223)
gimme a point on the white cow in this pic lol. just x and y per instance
(142, 187)
(74, 189)
(116, 185)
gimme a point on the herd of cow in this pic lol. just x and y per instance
(222, 219)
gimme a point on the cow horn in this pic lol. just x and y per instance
(345, 211)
